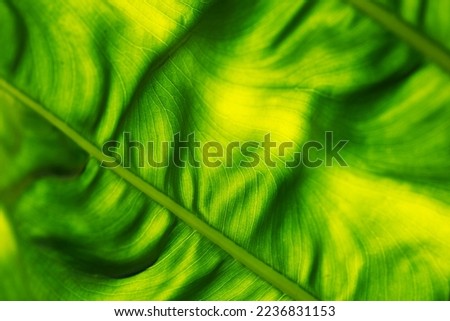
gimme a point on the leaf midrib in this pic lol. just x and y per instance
(240, 254)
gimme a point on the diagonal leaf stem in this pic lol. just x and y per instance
(240, 254)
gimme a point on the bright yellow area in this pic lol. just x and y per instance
(7, 244)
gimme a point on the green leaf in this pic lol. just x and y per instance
(226, 71)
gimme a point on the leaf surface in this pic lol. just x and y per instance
(226, 71)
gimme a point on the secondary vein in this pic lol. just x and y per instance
(422, 43)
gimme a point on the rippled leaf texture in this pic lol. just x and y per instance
(226, 70)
